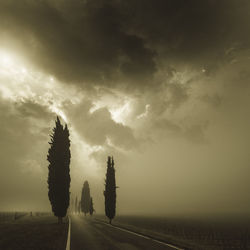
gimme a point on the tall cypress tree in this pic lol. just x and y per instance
(110, 190)
(59, 170)
(85, 201)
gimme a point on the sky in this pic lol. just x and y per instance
(162, 86)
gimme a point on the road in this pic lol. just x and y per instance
(89, 234)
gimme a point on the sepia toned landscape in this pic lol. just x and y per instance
(124, 125)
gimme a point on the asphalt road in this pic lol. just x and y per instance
(89, 234)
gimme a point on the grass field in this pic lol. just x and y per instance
(204, 234)
(36, 232)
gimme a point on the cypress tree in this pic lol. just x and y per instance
(59, 170)
(91, 207)
(85, 201)
(110, 190)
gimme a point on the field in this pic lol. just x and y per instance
(206, 234)
(19, 231)
(10, 216)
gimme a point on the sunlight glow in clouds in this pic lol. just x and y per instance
(119, 114)
(11, 64)
(19, 82)
(8, 63)
(120, 107)
(5, 59)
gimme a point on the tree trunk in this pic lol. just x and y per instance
(110, 220)
(60, 220)
(85, 214)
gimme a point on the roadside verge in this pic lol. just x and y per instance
(160, 238)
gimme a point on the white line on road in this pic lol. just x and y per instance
(68, 239)
(142, 236)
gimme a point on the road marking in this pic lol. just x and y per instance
(68, 239)
(142, 236)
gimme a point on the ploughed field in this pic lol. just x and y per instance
(212, 233)
(19, 231)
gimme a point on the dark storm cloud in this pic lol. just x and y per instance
(114, 42)
(90, 47)
(192, 31)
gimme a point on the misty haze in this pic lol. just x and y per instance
(124, 124)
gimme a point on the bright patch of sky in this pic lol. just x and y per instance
(19, 82)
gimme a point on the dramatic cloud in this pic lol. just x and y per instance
(104, 129)
(90, 46)
(102, 42)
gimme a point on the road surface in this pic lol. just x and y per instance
(89, 234)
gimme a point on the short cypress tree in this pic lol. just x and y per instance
(110, 190)
(91, 207)
(59, 170)
(85, 201)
